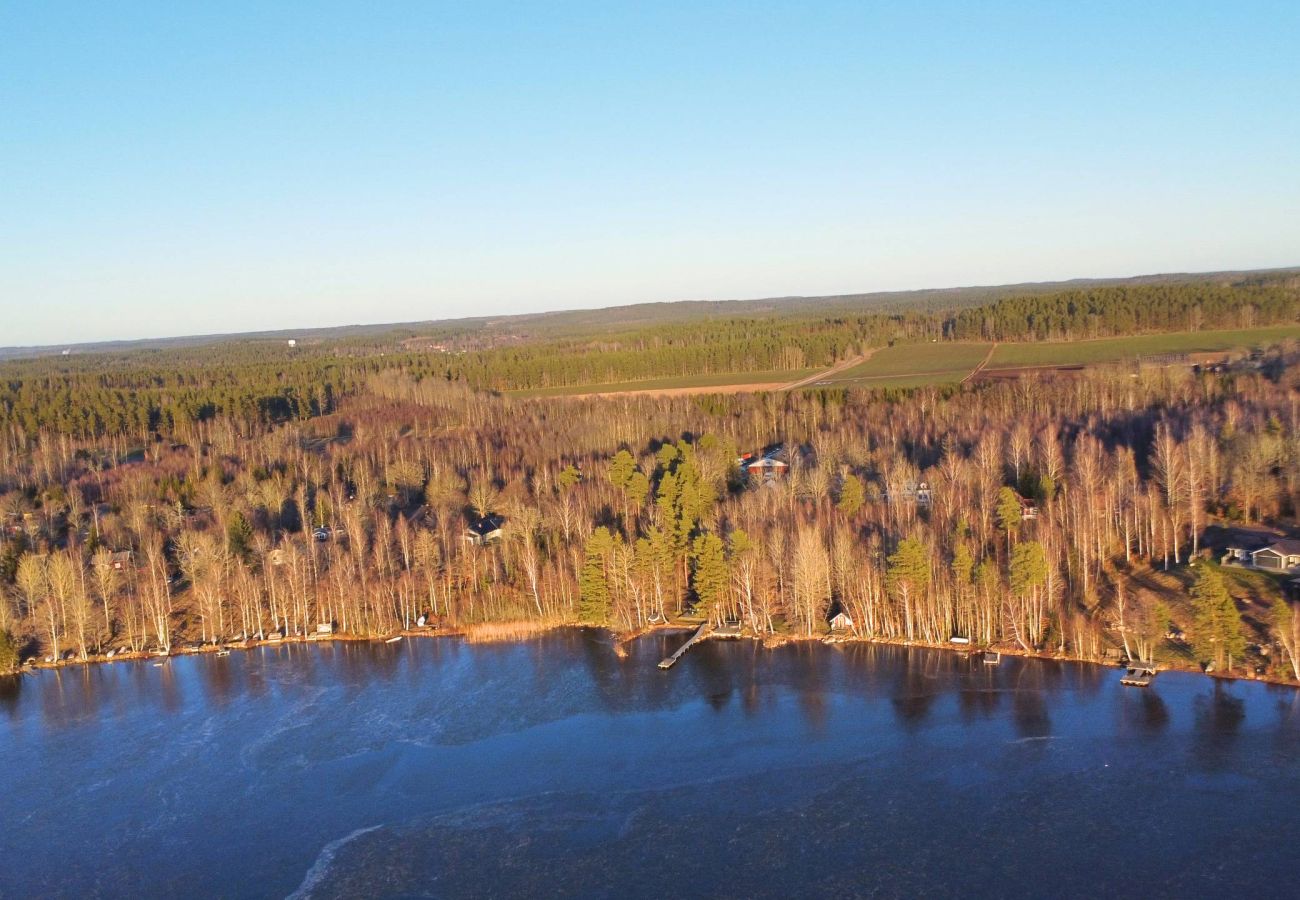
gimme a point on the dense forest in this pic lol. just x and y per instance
(1106, 311)
(146, 504)
(258, 383)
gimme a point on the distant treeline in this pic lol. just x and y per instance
(1110, 311)
(264, 382)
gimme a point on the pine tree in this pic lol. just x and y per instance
(568, 477)
(1028, 568)
(621, 468)
(963, 565)
(909, 566)
(8, 652)
(1218, 634)
(739, 542)
(239, 535)
(593, 580)
(637, 489)
(907, 578)
(1008, 512)
(852, 496)
(710, 577)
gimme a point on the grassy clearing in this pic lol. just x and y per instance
(781, 376)
(903, 362)
(1053, 353)
(1254, 589)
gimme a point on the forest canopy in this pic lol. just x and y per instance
(263, 382)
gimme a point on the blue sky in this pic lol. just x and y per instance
(186, 167)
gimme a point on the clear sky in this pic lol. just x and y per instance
(190, 167)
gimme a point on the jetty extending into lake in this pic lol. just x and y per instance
(700, 634)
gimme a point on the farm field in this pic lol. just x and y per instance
(1064, 353)
(917, 365)
(931, 363)
(902, 381)
(779, 377)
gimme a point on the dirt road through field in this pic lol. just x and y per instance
(686, 391)
(826, 374)
(983, 362)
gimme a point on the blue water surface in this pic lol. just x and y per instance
(555, 767)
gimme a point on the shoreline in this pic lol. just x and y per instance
(524, 630)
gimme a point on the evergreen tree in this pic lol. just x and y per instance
(1028, 568)
(568, 477)
(963, 565)
(1217, 636)
(239, 535)
(637, 489)
(1008, 512)
(667, 456)
(8, 652)
(1046, 488)
(909, 567)
(739, 542)
(621, 468)
(710, 577)
(852, 496)
(907, 577)
(593, 580)
(987, 578)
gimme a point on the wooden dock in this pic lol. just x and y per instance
(1139, 673)
(700, 634)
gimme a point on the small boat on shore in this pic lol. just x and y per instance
(394, 639)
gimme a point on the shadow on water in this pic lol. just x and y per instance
(1144, 710)
(920, 681)
(812, 665)
(1033, 684)
(1217, 717)
(10, 687)
(712, 678)
(221, 679)
(980, 694)
(596, 650)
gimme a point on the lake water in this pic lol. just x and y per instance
(555, 768)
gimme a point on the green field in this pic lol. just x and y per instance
(933, 363)
(903, 381)
(917, 365)
(781, 376)
(1064, 353)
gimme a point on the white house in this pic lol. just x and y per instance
(485, 530)
(917, 492)
(1280, 556)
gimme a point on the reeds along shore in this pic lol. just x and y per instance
(1059, 517)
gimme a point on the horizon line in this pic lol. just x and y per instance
(291, 331)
